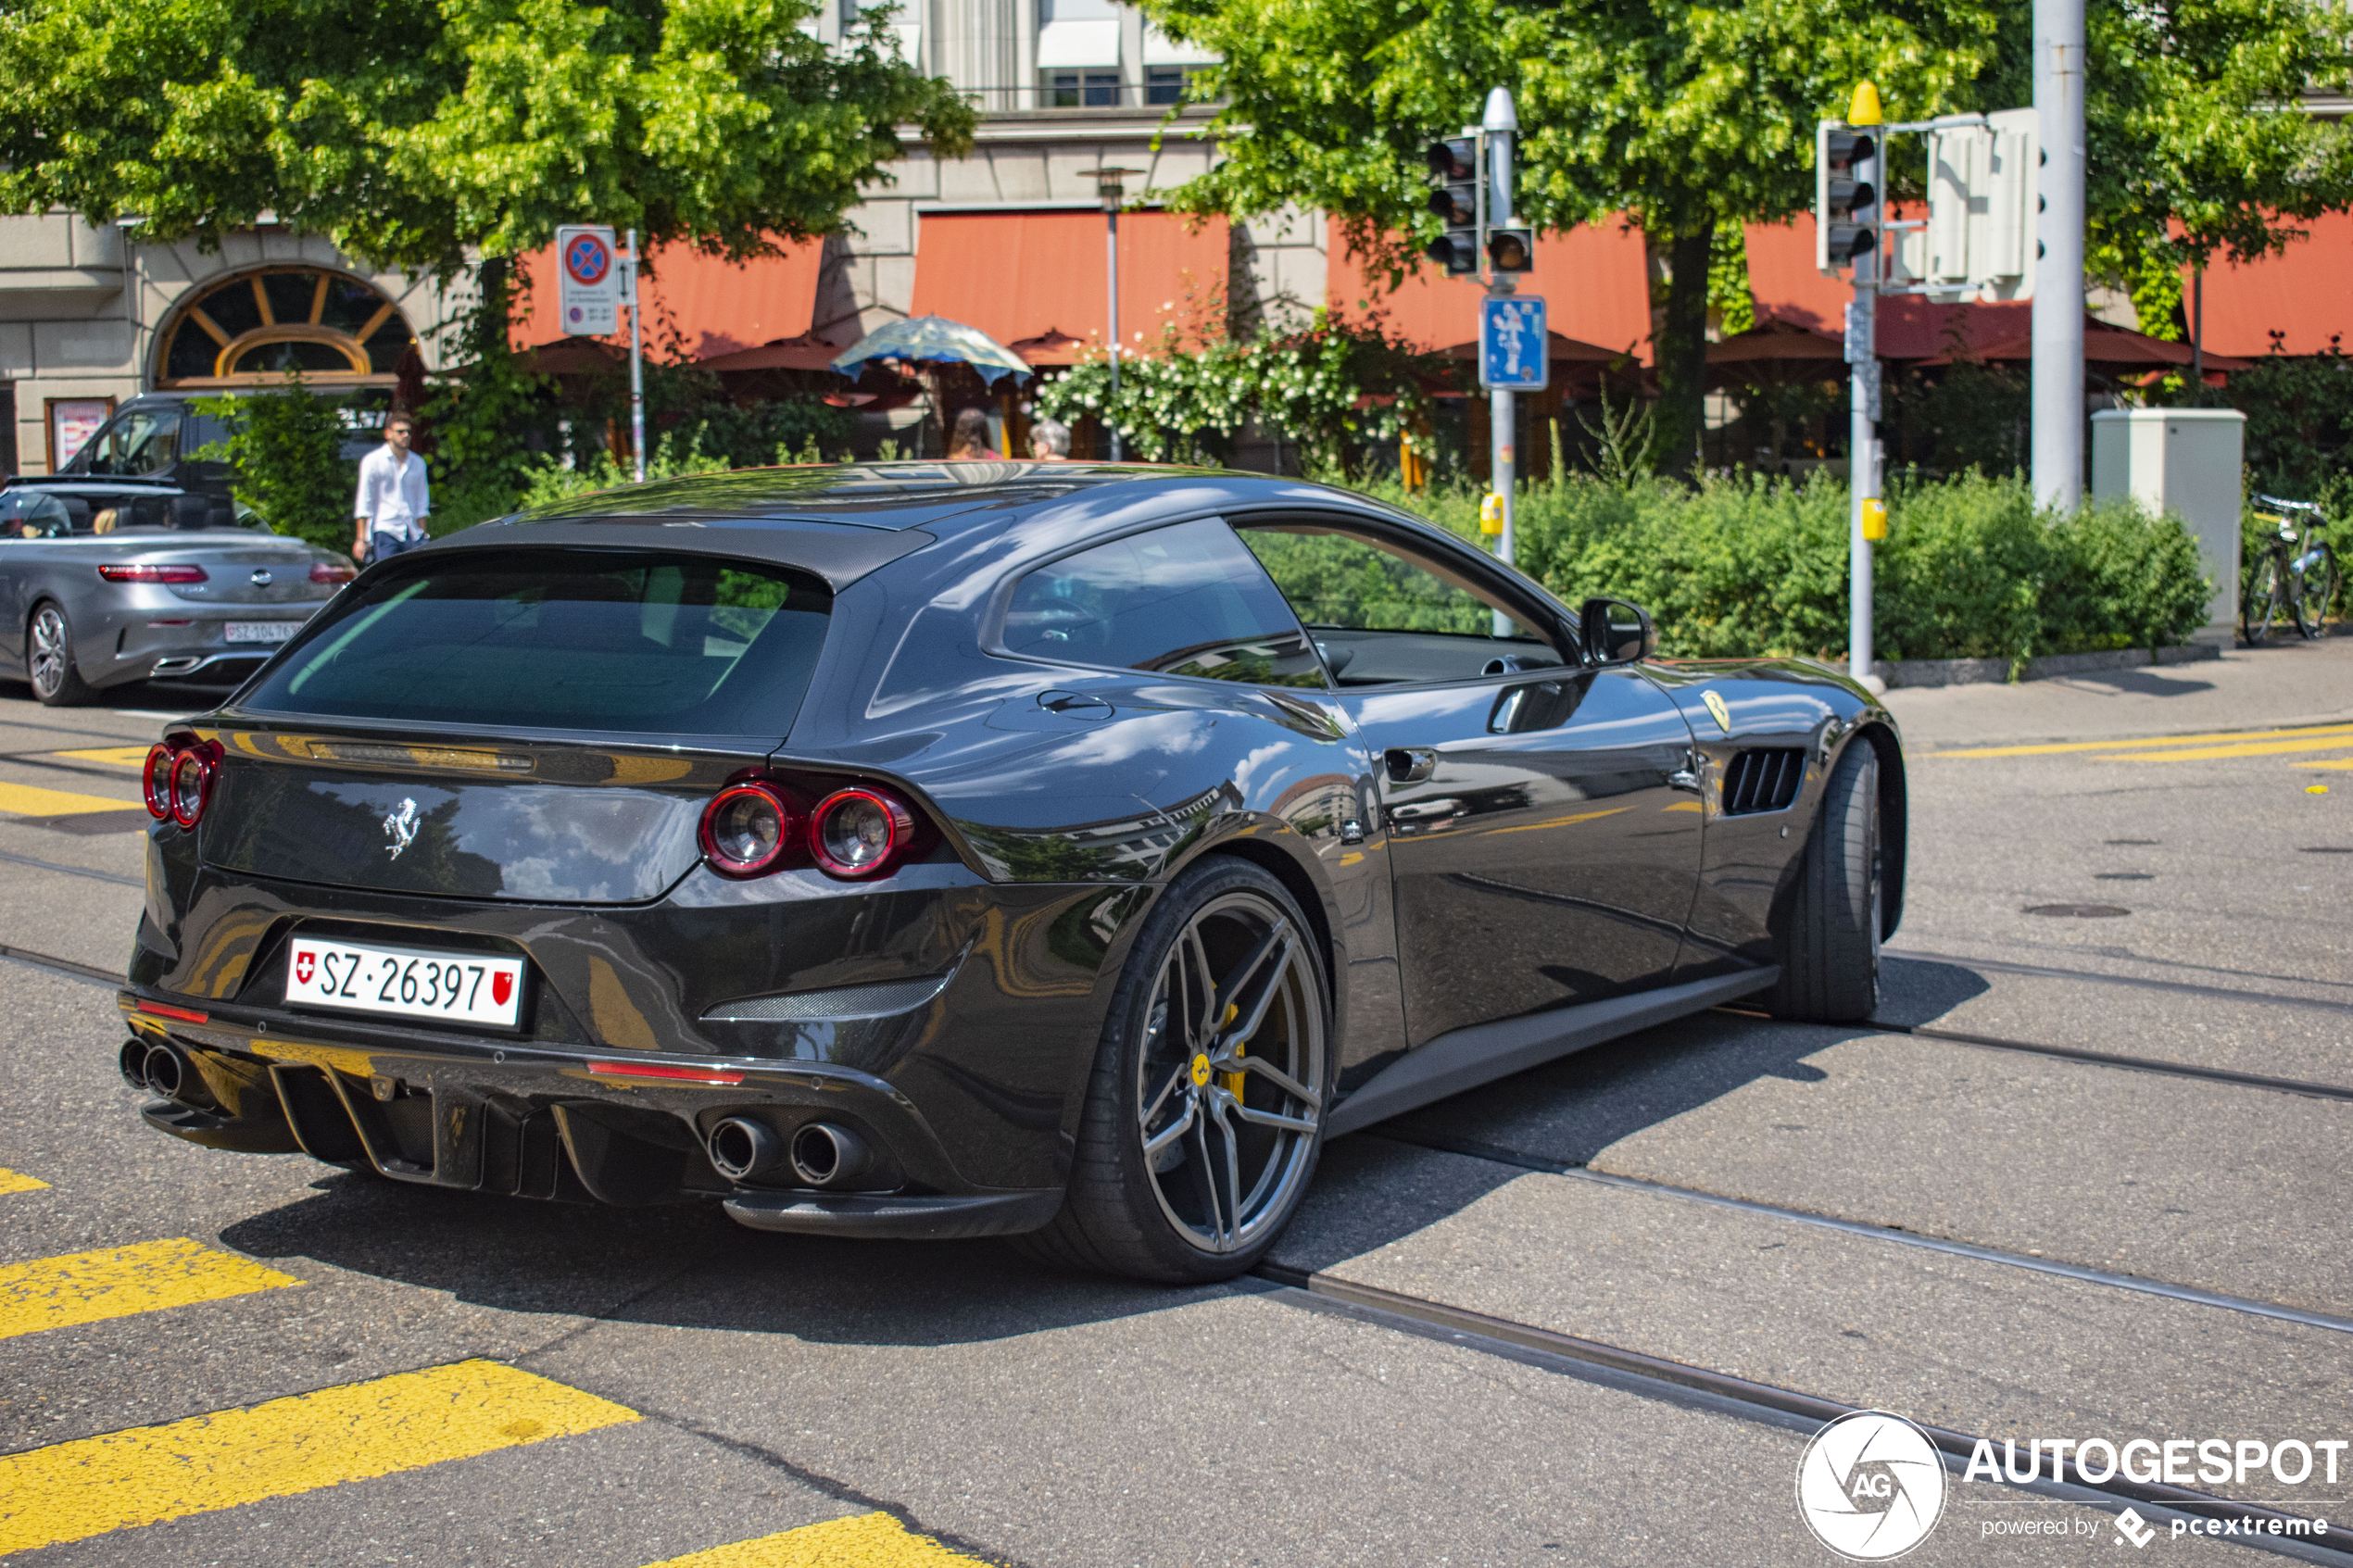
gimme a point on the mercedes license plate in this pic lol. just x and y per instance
(262, 631)
(410, 982)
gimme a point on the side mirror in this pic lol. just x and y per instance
(1616, 633)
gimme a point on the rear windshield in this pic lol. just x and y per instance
(570, 639)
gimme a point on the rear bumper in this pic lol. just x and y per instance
(513, 1120)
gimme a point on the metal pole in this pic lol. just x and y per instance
(2059, 267)
(636, 366)
(1499, 123)
(1111, 263)
(2198, 335)
(1862, 442)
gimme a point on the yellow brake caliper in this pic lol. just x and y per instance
(1233, 1081)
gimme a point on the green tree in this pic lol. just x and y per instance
(1695, 119)
(432, 135)
(284, 453)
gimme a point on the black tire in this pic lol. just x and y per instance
(48, 659)
(1830, 934)
(2318, 601)
(1159, 1124)
(2260, 605)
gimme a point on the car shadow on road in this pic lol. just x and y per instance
(685, 1266)
(1411, 1172)
(688, 1266)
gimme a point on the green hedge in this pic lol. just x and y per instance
(1758, 565)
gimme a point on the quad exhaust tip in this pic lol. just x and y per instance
(165, 1069)
(819, 1154)
(825, 1155)
(742, 1149)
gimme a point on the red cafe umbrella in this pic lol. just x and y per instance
(1775, 352)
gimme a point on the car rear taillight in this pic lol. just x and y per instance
(331, 571)
(860, 832)
(177, 778)
(145, 571)
(746, 829)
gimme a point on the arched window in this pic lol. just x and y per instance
(255, 326)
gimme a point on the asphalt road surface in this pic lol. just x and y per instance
(2086, 1177)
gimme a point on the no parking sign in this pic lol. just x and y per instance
(588, 281)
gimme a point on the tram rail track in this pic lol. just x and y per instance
(1787, 1408)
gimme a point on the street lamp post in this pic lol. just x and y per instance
(1110, 184)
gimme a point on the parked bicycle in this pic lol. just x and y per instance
(2295, 574)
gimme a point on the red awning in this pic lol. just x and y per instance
(2300, 301)
(807, 352)
(1023, 275)
(1595, 281)
(714, 307)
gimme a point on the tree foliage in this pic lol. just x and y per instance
(1697, 118)
(413, 131)
(284, 456)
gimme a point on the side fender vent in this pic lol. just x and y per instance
(1763, 781)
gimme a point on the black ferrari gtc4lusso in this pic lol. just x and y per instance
(1049, 850)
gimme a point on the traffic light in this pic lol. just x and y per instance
(1845, 165)
(1454, 164)
(1511, 250)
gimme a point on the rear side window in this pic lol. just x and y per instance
(1183, 600)
(565, 639)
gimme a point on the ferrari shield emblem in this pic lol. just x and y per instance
(1723, 713)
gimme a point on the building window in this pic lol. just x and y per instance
(257, 326)
(1081, 89)
(1166, 84)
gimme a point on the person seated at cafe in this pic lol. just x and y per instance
(1050, 441)
(970, 442)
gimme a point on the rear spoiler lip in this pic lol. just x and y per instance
(839, 554)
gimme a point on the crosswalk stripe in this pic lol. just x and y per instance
(113, 756)
(72, 1491)
(2251, 748)
(29, 800)
(117, 1282)
(17, 1181)
(2220, 737)
(865, 1540)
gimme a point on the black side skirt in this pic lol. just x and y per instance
(1485, 1052)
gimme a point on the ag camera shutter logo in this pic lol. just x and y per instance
(1870, 1486)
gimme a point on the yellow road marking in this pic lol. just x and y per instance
(120, 1281)
(26, 800)
(2055, 746)
(2340, 763)
(868, 1540)
(2255, 749)
(113, 756)
(17, 1181)
(1560, 821)
(1682, 806)
(72, 1491)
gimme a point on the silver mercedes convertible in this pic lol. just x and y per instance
(96, 597)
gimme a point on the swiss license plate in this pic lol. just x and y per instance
(410, 982)
(262, 631)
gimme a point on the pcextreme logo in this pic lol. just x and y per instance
(1870, 1486)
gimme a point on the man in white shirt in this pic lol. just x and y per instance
(393, 503)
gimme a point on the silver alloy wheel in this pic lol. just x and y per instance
(1230, 1087)
(52, 657)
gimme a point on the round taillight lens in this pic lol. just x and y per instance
(858, 832)
(191, 786)
(746, 829)
(154, 781)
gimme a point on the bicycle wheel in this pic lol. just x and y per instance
(2318, 601)
(2266, 593)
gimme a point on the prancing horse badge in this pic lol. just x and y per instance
(402, 826)
(1717, 706)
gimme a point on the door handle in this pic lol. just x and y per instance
(1410, 764)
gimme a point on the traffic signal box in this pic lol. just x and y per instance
(1845, 195)
(1454, 164)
